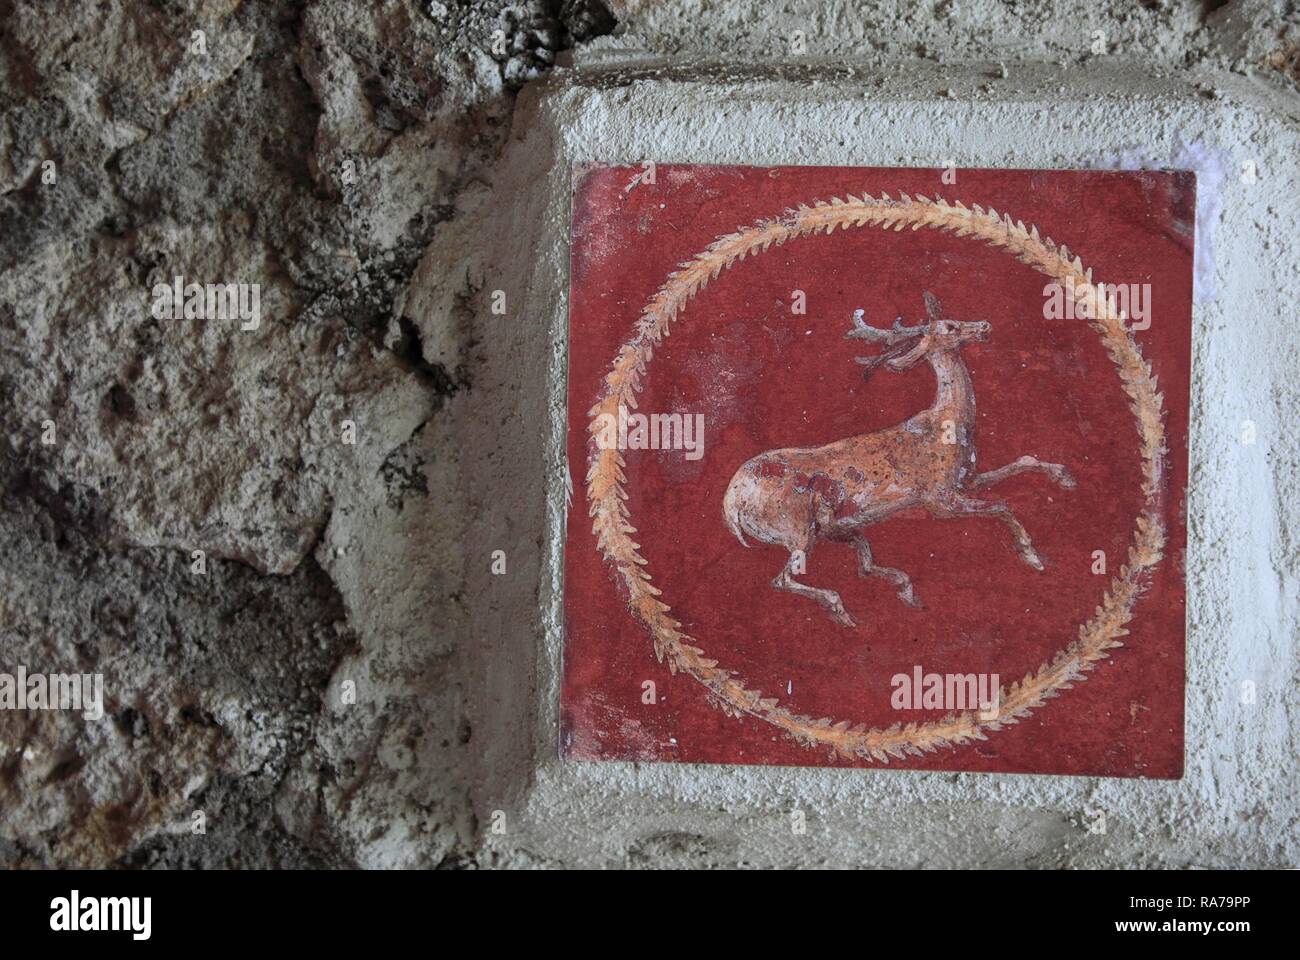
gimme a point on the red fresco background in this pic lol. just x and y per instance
(765, 378)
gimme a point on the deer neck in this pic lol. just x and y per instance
(954, 398)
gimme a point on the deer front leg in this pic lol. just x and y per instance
(829, 599)
(901, 581)
(1024, 464)
(958, 505)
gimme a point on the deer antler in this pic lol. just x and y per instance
(863, 331)
(897, 340)
(932, 308)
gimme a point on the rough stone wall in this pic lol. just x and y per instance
(378, 169)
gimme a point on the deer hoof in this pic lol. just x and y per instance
(908, 596)
(1065, 479)
(1033, 559)
(839, 614)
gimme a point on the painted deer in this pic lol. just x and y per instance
(795, 496)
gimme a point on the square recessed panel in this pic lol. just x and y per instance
(878, 467)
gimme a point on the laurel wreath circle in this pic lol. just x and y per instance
(612, 526)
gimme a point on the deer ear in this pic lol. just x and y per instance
(912, 356)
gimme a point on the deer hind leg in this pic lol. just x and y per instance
(1025, 464)
(993, 508)
(829, 599)
(901, 581)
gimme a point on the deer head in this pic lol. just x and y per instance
(907, 346)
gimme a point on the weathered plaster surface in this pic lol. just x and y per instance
(370, 563)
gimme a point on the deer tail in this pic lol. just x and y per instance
(731, 514)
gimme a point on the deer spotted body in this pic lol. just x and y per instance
(792, 497)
